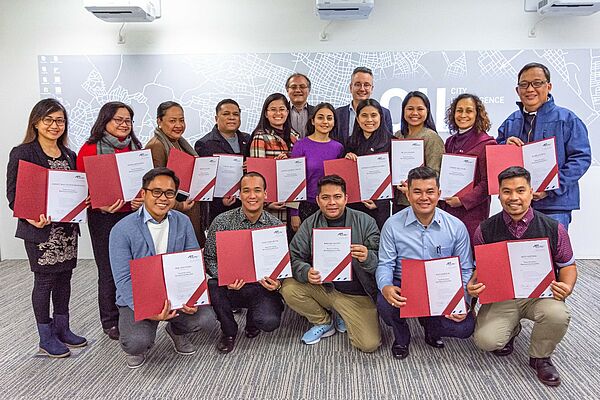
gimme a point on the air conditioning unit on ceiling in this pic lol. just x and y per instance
(567, 7)
(344, 9)
(124, 10)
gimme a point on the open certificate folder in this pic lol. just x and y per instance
(457, 175)
(197, 175)
(406, 155)
(229, 172)
(178, 277)
(252, 254)
(331, 253)
(432, 288)
(116, 176)
(58, 194)
(286, 179)
(539, 158)
(514, 269)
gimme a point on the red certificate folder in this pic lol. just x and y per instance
(235, 257)
(149, 289)
(347, 170)
(494, 271)
(103, 180)
(414, 288)
(267, 167)
(31, 195)
(183, 165)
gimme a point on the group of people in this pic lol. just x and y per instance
(415, 225)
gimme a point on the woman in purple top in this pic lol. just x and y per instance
(316, 148)
(468, 122)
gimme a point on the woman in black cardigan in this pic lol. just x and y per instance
(51, 246)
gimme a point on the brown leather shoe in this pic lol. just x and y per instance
(112, 332)
(226, 344)
(508, 347)
(251, 332)
(546, 371)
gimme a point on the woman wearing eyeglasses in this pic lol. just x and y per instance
(51, 246)
(169, 135)
(112, 133)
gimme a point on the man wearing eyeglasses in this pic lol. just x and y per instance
(539, 118)
(154, 229)
(361, 88)
(298, 89)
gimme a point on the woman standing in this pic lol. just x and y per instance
(169, 135)
(51, 246)
(111, 133)
(370, 136)
(274, 137)
(317, 147)
(417, 123)
(468, 122)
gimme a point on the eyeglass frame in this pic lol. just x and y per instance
(122, 121)
(152, 193)
(53, 120)
(532, 84)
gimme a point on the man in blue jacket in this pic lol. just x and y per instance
(154, 229)
(539, 118)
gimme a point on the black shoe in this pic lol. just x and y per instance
(226, 344)
(508, 347)
(251, 332)
(112, 332)
(399, 352)
(546, 371)
(434, 342)
(236, 310)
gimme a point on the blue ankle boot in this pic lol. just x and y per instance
(49, 343)
(64, 334)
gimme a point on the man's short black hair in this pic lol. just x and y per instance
(514, 172)
(534, 65)
(332, 180)
(297, 75)
(226, 101)
(255, 174)
(362, 69)
(423, 173)
(159, 171)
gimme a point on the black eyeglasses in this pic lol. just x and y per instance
(48, 121)
(524, 85)
(157, 193)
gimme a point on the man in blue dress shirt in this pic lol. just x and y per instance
(421, 232)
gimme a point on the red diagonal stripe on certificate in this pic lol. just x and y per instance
(464, 190)
(198, 293)
(382, 187)
(336, 271)
(232, 190)
(296, 192)
(553, 172)
(75, 212)
(209, 186)
(284, 261)
(454, 302)
(537, 292)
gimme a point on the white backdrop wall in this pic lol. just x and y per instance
(29, 28)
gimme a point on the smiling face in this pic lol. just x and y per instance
(252, 194)
(120, 124)
(415, 112)
(533, 98)
(423, 196)
(51, 127)
(332, 201)
(228, 118)
(465, 114)
(369, 119)
(277, 113)
(323, 121)
(515, 196)
(298, 91)
(172, 123)
(361, 86)
(159, 207)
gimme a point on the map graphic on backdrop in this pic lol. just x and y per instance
(84, 82)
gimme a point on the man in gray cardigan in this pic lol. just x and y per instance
(353, 301)
(154, 229)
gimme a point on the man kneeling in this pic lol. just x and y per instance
(353, 301)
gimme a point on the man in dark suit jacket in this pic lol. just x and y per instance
(298, 89)
(361, 87)
(225, 138)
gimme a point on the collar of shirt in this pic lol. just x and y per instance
(304, 107)
(525, 221)
(148, 218)
(411, 218)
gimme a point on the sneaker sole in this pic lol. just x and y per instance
(75, 346)
(136, 366)
(330, 332)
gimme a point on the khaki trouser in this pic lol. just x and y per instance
(497, 322)
(358, 312)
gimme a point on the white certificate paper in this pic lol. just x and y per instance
(406, 155)
(373, 170)
(290, 174)
(457, 172)
(229, 173)
(205, 170)
(330, 248)
(443, 282)
(132, 166)
(184, 273)
(539, 158)
(530, 263)
(269, 247)
(66, 191)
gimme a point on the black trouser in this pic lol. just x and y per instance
(46, 285)
(100, 225)
(264, 307)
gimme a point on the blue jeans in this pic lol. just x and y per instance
(562, 217)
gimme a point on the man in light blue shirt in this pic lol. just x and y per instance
(421, 232)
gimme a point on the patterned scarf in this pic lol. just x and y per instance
(168, 144)
(109, 143)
